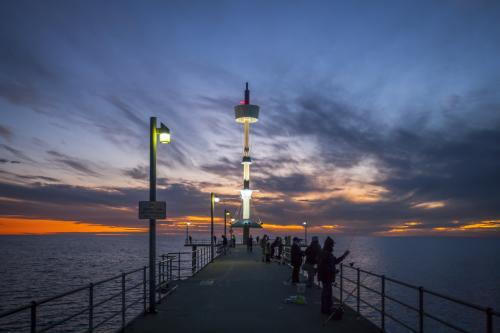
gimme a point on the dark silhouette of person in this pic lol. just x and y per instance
(250, 244)
(312, 253)
(190, 239)
(268, 251)
(296, 260)
(263, 245)
(326, 273)
(224, 243)
(280, 247)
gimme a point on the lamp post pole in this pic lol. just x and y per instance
(226, 212)
(152, 222)
(212, 203)
(305, 231)
(187, 232)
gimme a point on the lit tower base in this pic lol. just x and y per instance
(246, 114)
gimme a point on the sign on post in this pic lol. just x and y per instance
(149, 210)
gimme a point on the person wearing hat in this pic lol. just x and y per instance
(326, 273)
(312, 253)
(296, 260)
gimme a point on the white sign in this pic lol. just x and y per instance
(152, 210)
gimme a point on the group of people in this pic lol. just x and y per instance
(271, 250)
(320, 261)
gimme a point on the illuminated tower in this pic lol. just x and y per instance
(246, 114)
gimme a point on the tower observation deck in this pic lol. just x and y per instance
(246, 114)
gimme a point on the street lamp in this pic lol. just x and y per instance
(163, 133)
(213, 200)
(226, 214)
(187, 232)
(305, 230)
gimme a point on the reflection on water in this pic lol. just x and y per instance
(35, 267)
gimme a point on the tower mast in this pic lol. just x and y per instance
(246, 114)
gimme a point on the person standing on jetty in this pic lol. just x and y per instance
(326, 273)
(263, 244)
(296, 260)
(312, 253)
(224, 243)
(250, 244)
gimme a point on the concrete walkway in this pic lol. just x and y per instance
(239, 293)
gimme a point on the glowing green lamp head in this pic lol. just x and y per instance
(164, 132)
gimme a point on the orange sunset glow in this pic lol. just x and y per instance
(16, 225)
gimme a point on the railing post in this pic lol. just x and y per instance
(170, 268)
(179, 267)
(123, 301)
(489, 320)
(159, 282)
(163, 268)
(382, 312)
(357, 290)
(420, 309)
(91, 307)
(33, 317)
(341, 283)
(144, 282)
(193, 260)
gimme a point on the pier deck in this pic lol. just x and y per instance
(239, 293)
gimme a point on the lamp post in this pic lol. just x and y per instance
(226, 214)
(213, 200)
(162, 133)
(187, 232)
(305, 230)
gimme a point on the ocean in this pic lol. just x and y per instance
(36, 267)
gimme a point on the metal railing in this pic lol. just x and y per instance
(358, 276)
(108, 304)
(184, 264)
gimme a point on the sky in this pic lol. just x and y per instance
(377, 118)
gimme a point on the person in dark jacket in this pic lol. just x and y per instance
(224, 243)
(280, 248)
(250, 244)
(312, 253)
(326, 272)
(296, 260)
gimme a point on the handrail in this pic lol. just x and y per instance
(170, 263)
(358, 284)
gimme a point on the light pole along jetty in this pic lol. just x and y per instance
(246, 114)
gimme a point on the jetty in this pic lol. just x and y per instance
(238, 292)
(210, 289)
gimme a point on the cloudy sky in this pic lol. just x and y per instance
(377, 118)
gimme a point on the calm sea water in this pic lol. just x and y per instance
(34, 267)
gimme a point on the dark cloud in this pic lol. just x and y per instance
(5, 132)
(18, 94)
(16, 152)
(79, 165)
(140, 172)
(60, 201)
(291, 184)
(129, 112)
